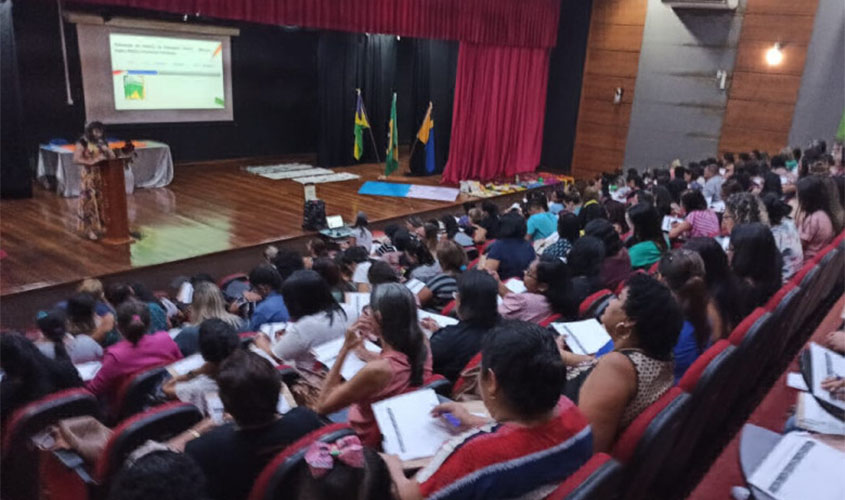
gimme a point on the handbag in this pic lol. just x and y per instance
(86, 435)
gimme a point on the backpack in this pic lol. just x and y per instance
(314, 215)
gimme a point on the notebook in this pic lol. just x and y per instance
(414, 285)
(185, 365)
(825, 363)
(327, 354)
(515, 285)
(583, 337)
(810, 416)
(668, 222)
(407, 427)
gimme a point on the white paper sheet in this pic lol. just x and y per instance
(407, 426)
(810, 416)
(799, 468)
(270, 329)
(185, 365)
(214, 407)
(796, 381)
(87, 371)
(668, 222)
(583, 337)
(825, 363)
(357, 301)
(718, 206)
(414, 285)
(186, 293)
(442, 321)
(515, 285)
(327, 354)
(723, 241)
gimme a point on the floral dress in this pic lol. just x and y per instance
(91, 221)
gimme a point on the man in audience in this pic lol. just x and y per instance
(541, 224)
(232, 456)
(266, 282)
(712, 183)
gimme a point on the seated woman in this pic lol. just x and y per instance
(403, 363)
(418, 262)
(743, 208)
(819, 214)
(60, 345)
(138, 352)
(616, 266)
(644, 323)
(787, 238)
(217, 340)
(331, 273)
(316, 318)
(453, 346)
(354, 473)
(511, 254)
(547, 291)
(722, 285)
(438, 290)
(756, 261)
(683, 272)
(568, 230)
(535, 440)
(699, 220)
(208, 303)
(648, 243)
(585, 263)
(29, 375)
(82, 319)
(105, 332)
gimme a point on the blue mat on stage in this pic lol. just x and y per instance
(385, 189)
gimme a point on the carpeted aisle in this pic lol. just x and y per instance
(772, 414)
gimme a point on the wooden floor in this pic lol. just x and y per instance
(206, 209)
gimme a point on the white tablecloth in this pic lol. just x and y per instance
(152, 167)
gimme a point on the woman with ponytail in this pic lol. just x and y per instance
(137, 352)
(683, 272)
(60, 345)
(404, 362)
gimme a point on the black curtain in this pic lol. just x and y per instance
(566, 71)
(15, 180)
(346, 62)
(434, 65)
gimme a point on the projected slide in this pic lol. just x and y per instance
(153, 72)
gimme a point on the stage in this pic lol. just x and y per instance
(214, 217)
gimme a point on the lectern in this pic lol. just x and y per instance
(114, 201)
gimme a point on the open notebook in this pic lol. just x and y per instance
(583, 337)
(327, 354)
(407, 426)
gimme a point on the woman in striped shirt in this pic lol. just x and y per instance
(700, 221)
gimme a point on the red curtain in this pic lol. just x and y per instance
(518, 23)
(500, 104)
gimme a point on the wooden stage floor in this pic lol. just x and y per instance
(213, 218)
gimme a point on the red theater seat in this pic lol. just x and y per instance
(463, 380)
(135, 392)
(598, 479)
(594, 305)
(550, 319)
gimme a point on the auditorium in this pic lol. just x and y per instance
(422, 249)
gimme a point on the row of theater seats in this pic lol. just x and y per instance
(654, 456)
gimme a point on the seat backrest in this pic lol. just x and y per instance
(758, 318)
(134, 394)
(786, 319)
(711, 382)
(548, 320)
(439, 383)
(598, 479)
(275, 479)
(590, 306)
(461, 383)
(449, 309)
(159, 423)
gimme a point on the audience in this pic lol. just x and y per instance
(647, 244)
(585, 263)
(616, 266)
(138, 352)
(217, 340)
(568, 230)
(158, 318)
(232, 455)
(381, 272)
(361, 232)
(699, 221)
(439, 290)
(755, 259)
(270, 308)
(541, 223)
(351, 473)
(536, 438)
(28, 375)
(329, 270)
(82, 319)
(511, 254)
(743, 208)
(59, 343)
(819, 214)
(104, 332)
(785, 233)
(682, 271)
(207, 303)
(644, 323)
(287, 262)
(547, 291)
(490, 222)
(475, 302)
(418, 263)
(404, 361)
(162, 475)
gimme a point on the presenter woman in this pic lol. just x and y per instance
(90, 149)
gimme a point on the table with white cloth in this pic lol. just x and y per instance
(152, 166)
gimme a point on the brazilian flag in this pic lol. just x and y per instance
(361, 123)
(392, 162)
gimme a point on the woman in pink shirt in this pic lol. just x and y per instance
(546, 292)
(402, 365)
(819, 214)
(700, 222)
(136, 353)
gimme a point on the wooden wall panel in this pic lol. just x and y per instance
(761, 99)
(613, 52)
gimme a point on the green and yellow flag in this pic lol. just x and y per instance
(361, 123)
(392, 162)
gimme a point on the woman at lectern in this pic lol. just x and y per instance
(90, 149)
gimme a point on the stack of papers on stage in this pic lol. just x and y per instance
(407, 426)
(87, 371)
(302, 173)
(800, 468)
(583, 337)
(515, 285)
(825, 364)
(810, 416)
(327, 354)
(185, 365)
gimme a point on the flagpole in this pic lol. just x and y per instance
(375, 148)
